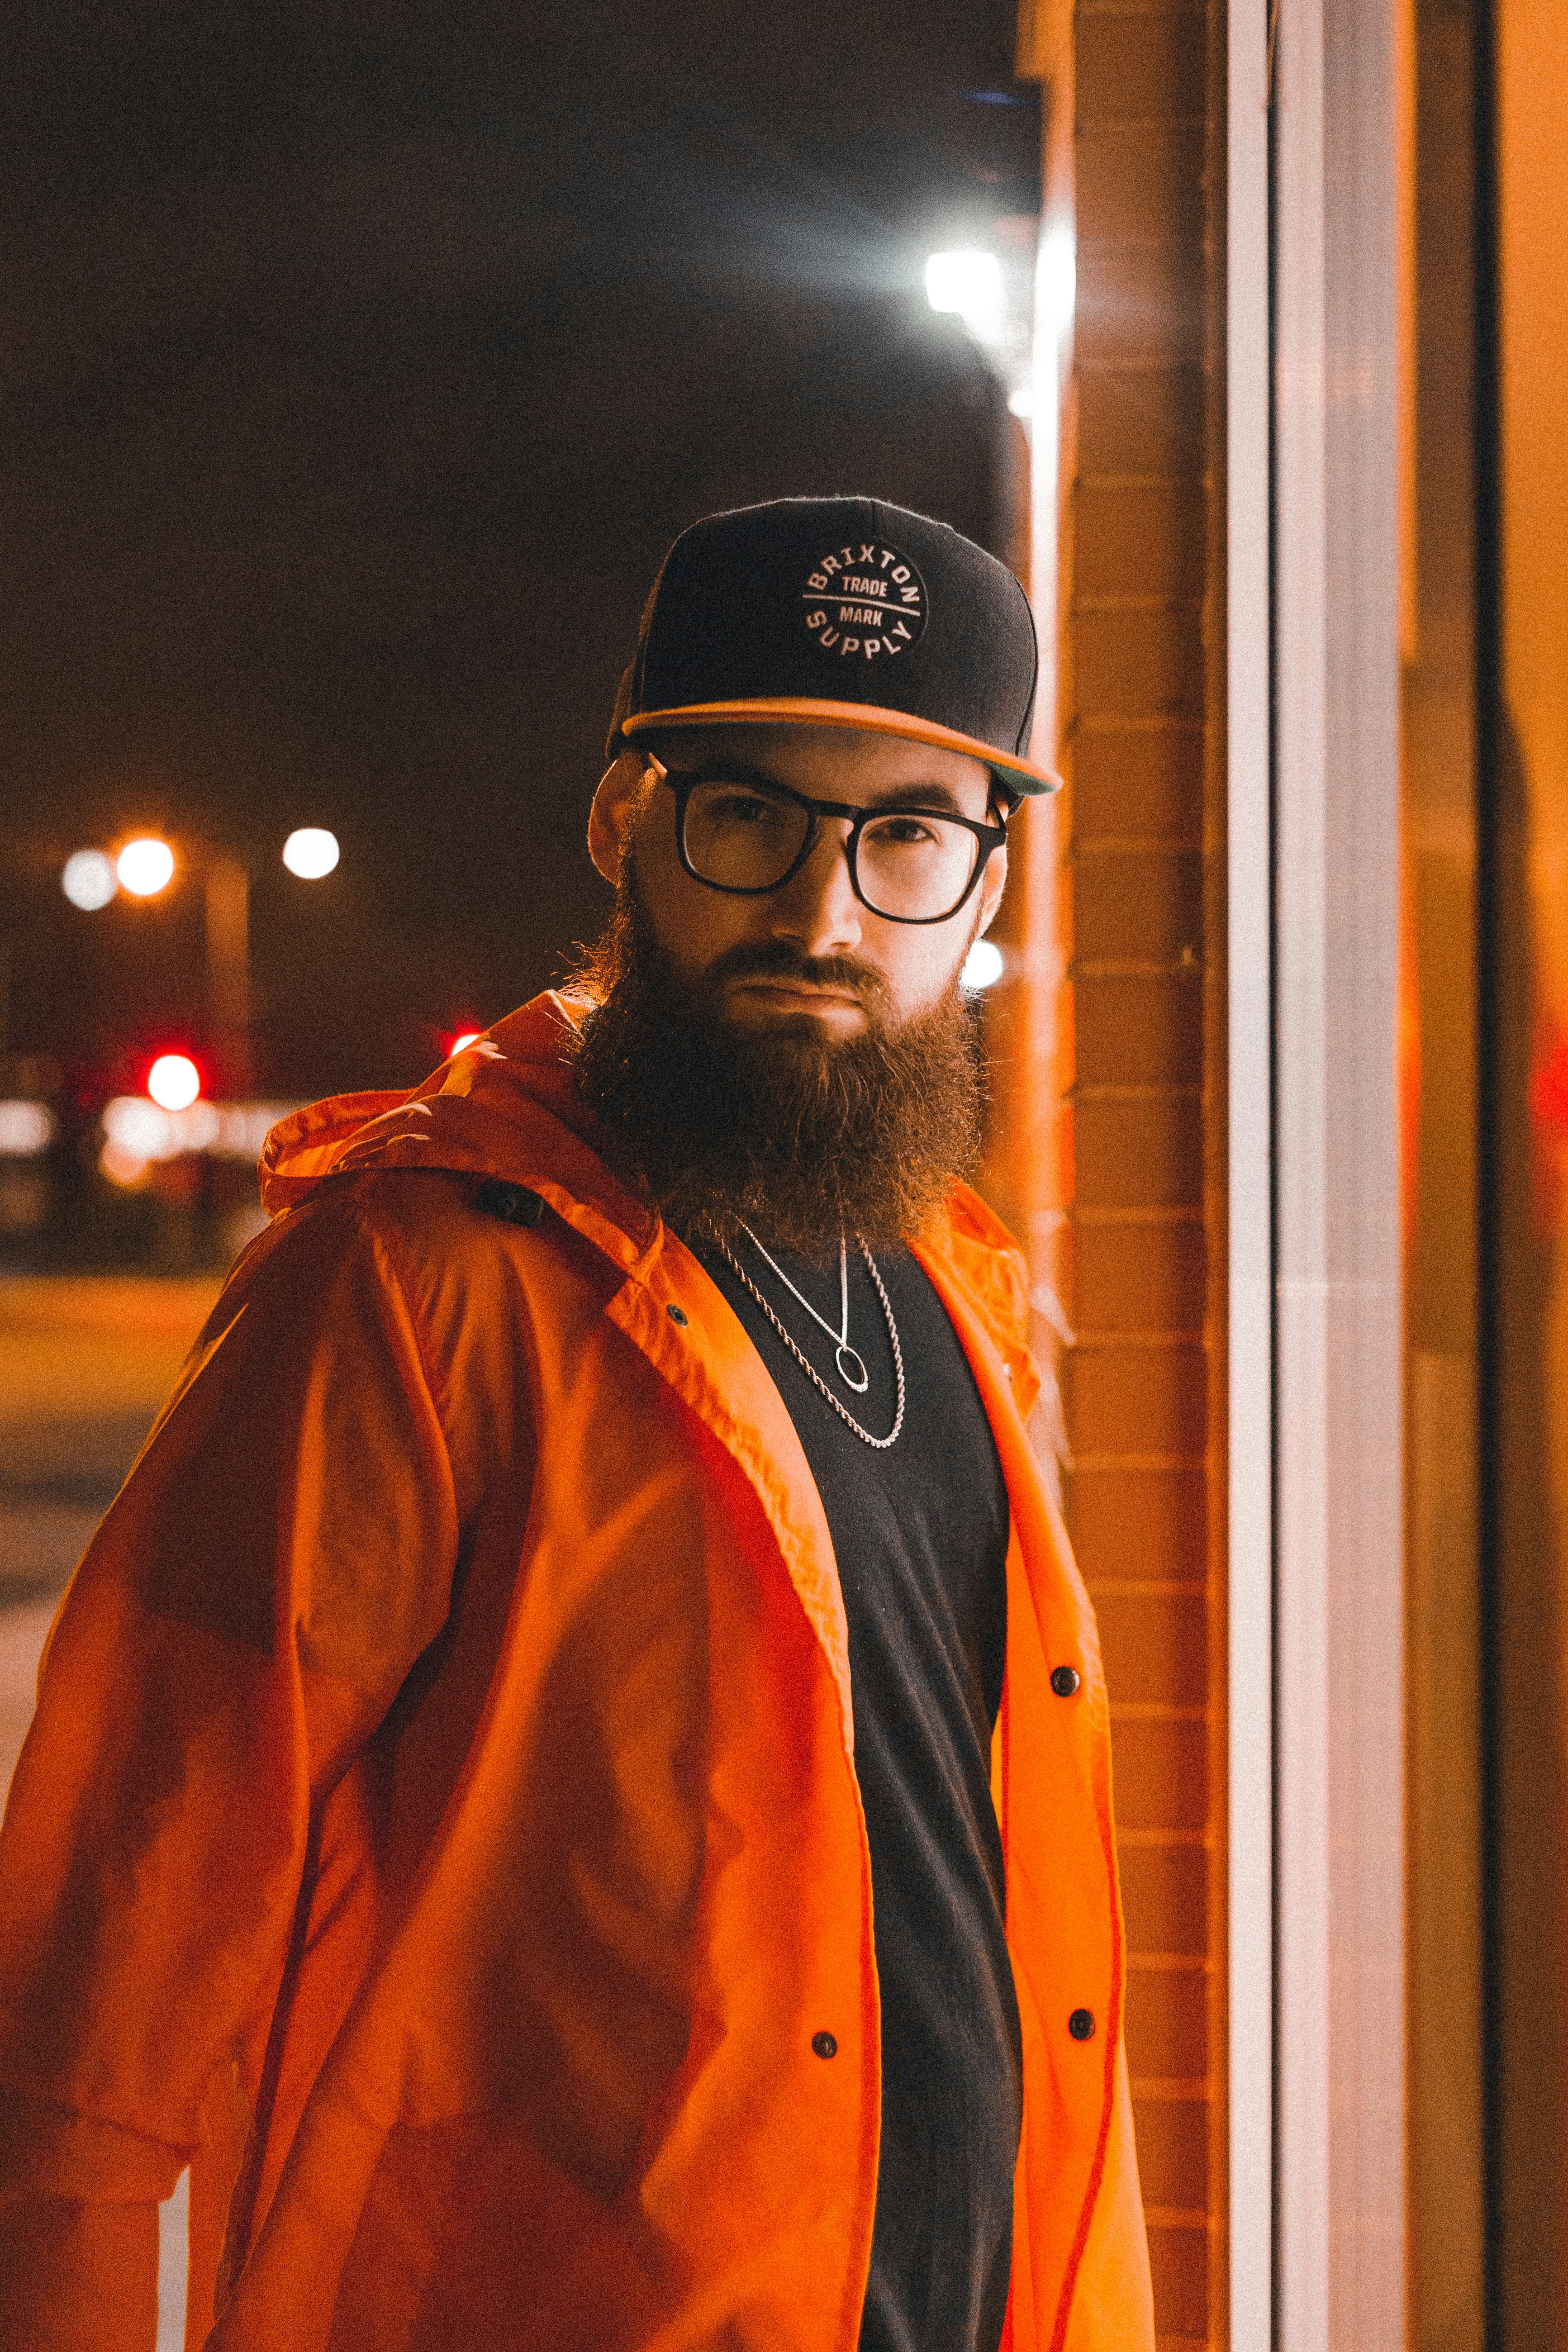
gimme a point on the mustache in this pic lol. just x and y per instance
(778, 960)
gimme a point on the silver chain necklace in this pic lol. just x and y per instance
(840, 1337)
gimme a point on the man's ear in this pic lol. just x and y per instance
(615, 806)
(993, 882)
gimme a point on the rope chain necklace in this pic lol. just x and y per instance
(840, 1337)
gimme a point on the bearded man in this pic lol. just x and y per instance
(572, 1787)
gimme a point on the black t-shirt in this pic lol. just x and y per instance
(920, 1531)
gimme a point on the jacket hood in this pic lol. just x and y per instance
(506, 1106)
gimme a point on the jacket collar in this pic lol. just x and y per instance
(504, 1107)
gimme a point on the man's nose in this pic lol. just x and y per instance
(817, 907)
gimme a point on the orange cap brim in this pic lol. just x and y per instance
(859, 718)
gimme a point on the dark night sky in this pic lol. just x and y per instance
(357, 367)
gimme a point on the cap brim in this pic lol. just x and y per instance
(859, 718)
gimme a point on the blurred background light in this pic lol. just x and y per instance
(144, 868)
(137, 1129)
(309, 852)
(88, 880)
(1055, 281)
(462, 1041)
(981, 965)
(969, 281)
(122, 1167)
(174, 1082)
(25, 1127)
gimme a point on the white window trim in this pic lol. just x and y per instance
(1250, 1050)
(1334, 2014)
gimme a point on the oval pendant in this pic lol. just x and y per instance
(860, 1380)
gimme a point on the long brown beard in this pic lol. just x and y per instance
(799, 1137)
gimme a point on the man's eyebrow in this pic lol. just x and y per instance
(940, 799)
(726, 771)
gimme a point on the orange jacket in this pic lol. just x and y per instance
(465, 1926)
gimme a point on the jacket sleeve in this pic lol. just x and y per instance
(279, 1556)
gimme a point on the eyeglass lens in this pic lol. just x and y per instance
(908, 863)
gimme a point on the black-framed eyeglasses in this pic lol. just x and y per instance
(747, 836)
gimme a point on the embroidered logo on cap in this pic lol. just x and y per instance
(865, 600)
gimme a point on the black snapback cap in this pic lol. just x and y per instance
(839, 612)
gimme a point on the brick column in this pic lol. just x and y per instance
(1140, 1251)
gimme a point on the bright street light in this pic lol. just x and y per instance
(981, 965)
(26, 1128)
(174, 1082)
(88, 880)
(1055, 281)
(145, 867)
(310, 852)
(968, 280)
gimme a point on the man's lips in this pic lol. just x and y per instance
(795, 992)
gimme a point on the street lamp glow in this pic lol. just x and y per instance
(88, 880)
(122, 1167)
(310, 852)
(174, 1082)
(968, 280)
(1055, 281)
(145, 867)
(26, 1128)
(981, 965)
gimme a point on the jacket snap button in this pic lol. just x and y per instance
(1064, 1681)
(677, 1314)
(1080, 2024)
(825, 2046)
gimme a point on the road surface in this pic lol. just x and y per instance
(85, 1362)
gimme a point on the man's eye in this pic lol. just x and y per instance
(902, 832)
(739, 808)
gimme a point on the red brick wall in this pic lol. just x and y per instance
(1133, 100)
